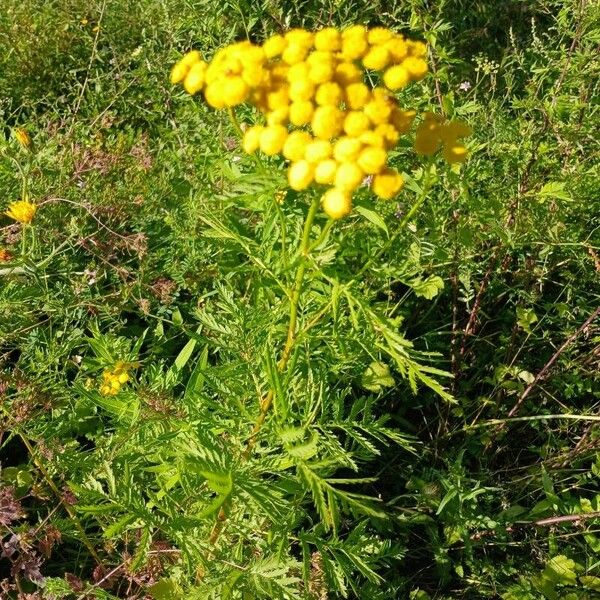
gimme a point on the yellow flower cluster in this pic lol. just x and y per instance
(113, 379)
(319, 113)
(435, 133)
(22, 211)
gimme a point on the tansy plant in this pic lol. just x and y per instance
(274, 422)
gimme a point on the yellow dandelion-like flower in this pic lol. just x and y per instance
(22, 137)
(22, 211)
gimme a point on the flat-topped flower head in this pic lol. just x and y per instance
(320, 110)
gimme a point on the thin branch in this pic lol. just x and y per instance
(542, 374)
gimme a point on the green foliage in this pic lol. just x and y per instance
(368, 457)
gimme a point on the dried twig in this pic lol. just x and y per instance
(542, 374)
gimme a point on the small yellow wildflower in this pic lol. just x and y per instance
(372, 160)
(113, 379)
(387, 183)
(348, 176)
(22, 211)
(22, 137)
(325, 171)
(295, 145)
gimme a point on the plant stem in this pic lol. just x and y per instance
(291, 334)
(54, 488)
(235, 122)
(267, 400)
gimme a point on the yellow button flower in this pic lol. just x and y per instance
(450, 132)
(329, 93)
(274, 46)
(278, 116)
(298, 72)
(294, 53)
(22, 211)
(455, 154)
(347, 73)
(417, 67)
(348, 176)
(278, 97)
(354, 31)
(370, 138)
(301, 90)
(301, 113)
(372, 160)
(194, 80)
(317, 151)
(379, 35)
(336, 203)
(300, 175)
(328, 39)
(251, 140)
(389, 134)
(396, 77)
(357, 95)
(213, 95)
(321, 72)
(325, 171)
(378, 111)
(356, 122)
(397, 48)
(272, 139)
(347, 149)
(387, 183)
(377, 58)
(327, 122)
(354, 43)
(178, 72)
(402, 119)
(295, 145)
(427, 138)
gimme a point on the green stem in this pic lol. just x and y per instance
(299, 280)
(235, 122)
(323, 235)
(267, 400)
(68, 508)
(304, 252)
(24, 229)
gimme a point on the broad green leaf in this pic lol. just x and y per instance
(428, 288)
(118, 526)
(554, 189)
(166, 589)
(221, 483)
(526, 317)
(376, 377)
